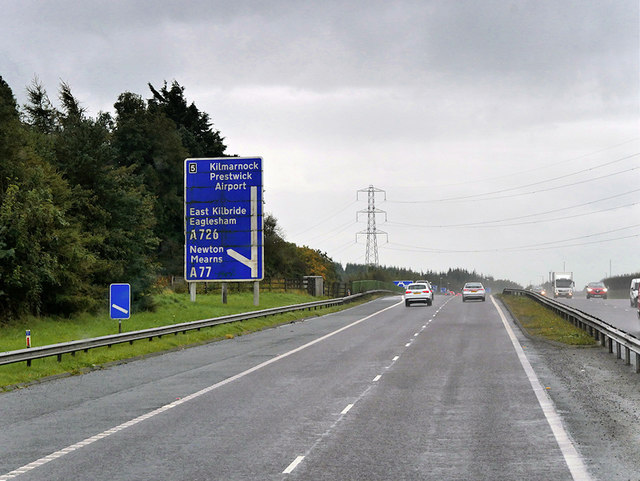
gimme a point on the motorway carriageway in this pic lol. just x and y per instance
(375, 392)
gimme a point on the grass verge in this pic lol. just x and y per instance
(172, 309)
(541, 322)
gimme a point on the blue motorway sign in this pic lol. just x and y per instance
(223, 219)
(120, 301)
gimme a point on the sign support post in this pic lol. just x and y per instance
(256, 293)
(224, 292)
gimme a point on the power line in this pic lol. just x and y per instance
(332, 233)
(342, 209)
(483, 224)
(541, 167)
(498, 222)
(556, 244)
(477, 197)
(577, 245)
(418, 249)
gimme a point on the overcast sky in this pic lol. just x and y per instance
(504, 134)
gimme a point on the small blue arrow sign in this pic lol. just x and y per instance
(120, 301)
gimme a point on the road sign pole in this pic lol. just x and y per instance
(256, 293)
(224, 292)
(192, 291)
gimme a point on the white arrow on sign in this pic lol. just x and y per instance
(253, 262)
(121, 309)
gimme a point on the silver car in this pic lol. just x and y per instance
(418, 292)
(633, 292)
(473, 290)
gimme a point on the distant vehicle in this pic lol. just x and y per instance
(473, 290)
(418, 293)
(539, 289)
(429, 286)
(596, 289)
(633, 292)
(562, 284)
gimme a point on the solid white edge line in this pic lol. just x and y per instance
(572, 458)
(293, 465)
(109, 432)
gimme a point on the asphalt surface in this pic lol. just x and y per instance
(376, 392)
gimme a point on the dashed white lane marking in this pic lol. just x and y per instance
(109, 432)
(347, 409)
(293, 465)
(299, 459)
(572, 458)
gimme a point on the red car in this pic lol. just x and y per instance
(596, 289)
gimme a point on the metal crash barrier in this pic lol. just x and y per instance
(107, 341)
(604, 333)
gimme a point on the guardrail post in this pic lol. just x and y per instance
(627, 356)
(637, 362)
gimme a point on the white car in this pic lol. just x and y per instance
(418, 292)
(429, 286)
(473, 290)
(633, 292)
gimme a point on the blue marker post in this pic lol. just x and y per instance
(120, 302)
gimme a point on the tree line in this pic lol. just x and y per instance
(452, 279)
(88, 201)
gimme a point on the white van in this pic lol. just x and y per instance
(633, 292)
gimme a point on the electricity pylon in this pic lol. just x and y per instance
(372, 233)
